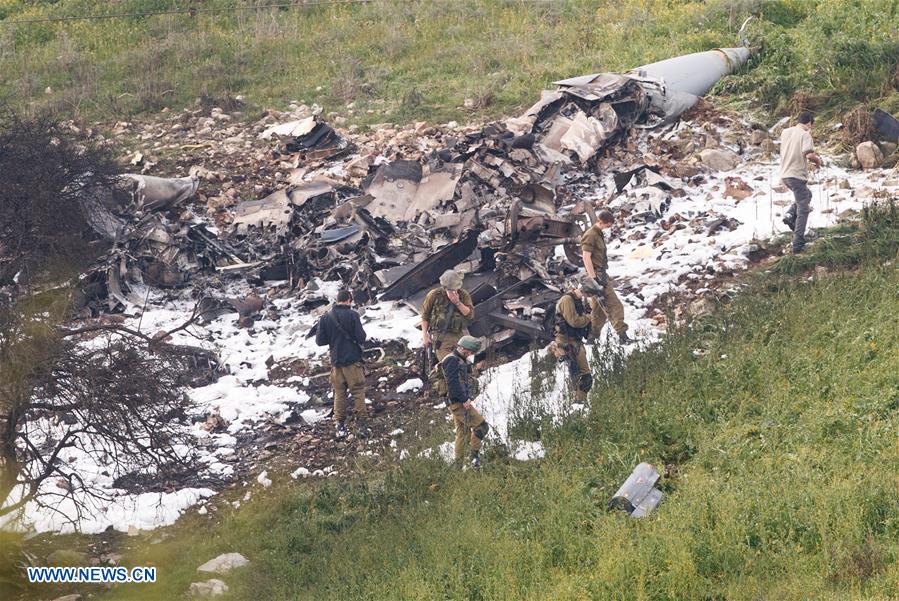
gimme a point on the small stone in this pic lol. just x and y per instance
(869, 155)
(701, 306)
(718, 159)
(210, 588)
(75, 597)
(757, 137)
(224, 563)
(264, 480)
(887, 148)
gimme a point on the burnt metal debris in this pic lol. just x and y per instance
(503, 204)
(638, 496)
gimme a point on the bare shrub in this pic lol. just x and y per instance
(112, 393)
(858, 126)
(45, 168)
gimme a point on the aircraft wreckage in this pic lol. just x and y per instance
(498, 204)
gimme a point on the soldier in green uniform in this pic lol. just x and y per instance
(572, 326)
(596, 262)
(445, 313)
(458, 388)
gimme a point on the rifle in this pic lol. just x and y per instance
(427, 360)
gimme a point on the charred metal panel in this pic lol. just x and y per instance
(638, 495)
(428, 271)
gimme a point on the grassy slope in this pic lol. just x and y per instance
(779, 417)
(419, 60)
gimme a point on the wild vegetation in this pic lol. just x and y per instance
(402, 61)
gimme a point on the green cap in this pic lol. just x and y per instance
(470, 343)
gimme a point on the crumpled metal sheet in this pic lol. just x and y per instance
(587, 134)
(273, 211)
(403, 190)
(294, 129)
(153, 193)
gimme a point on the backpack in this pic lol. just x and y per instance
(560, 325)
(549, 318)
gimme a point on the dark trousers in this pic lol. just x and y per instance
(800, 209)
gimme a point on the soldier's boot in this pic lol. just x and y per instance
(340, 431)
(790, 218)
(475, 460)
(623, 338)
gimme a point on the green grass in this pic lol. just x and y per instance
(776, 418)
(407, 61)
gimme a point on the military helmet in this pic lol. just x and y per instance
(470, 343)
(589, 285)
(451, 279)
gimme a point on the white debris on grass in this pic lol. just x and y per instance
(143, 511)
(312, 416)
(527, 450)
(300, 472)
(224, 563)
(410, 385)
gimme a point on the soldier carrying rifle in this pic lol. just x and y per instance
(572, 326)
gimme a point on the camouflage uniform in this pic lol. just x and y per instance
(594, 242)
(572, 325)
(469, 423)
(445, 323)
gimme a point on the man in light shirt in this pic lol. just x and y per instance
(796, 149)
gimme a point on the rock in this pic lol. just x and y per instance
(75, 597)
(359, 167)
(248, 306)
(844, 184)
(210, 588)
(757, 137)
(869, 155)
(64, 557)
(203, 173)
(718, 159)
(264, 480)
(701, 306)
(214, 422)
(778, 127)
(224, 563)
(865, 192)
(736, 188)
(887, 148)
